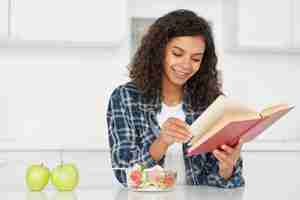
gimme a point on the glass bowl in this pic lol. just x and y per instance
(156, 178)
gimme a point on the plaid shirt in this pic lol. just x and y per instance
(133, 127)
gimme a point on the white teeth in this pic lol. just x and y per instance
(179, 73)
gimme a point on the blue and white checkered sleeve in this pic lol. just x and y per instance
(213, 177)
(122, 138)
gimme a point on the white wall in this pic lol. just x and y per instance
(57, 97)
(70, 78)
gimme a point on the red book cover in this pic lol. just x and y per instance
(231, 133)
(264, 124)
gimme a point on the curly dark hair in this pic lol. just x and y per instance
(146, 68)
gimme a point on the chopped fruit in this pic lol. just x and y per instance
(136, 177)
(169, 181)
(155, 178)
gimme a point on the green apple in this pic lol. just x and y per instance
(65, 177)
(37, 177)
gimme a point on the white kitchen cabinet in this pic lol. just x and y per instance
(89, 22)
(263, 23)
(255, 25)
(4, 6)
(3, 117)
(296, 23)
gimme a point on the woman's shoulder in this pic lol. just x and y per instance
(126, 91)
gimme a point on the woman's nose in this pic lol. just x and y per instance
(187, 63)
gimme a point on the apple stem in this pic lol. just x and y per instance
(61, 157)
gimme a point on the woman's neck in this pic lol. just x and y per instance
(172, 94)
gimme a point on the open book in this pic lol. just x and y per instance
(227, 121)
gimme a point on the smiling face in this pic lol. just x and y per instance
(183, 58)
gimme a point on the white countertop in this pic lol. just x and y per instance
(268, 175)
(180, 193)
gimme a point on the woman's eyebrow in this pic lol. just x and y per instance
(181, 49)
(177, 47)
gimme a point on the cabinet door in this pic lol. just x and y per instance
(3, 19)
(263, 24)
(69, 21)
(3, 115)
(296, 24)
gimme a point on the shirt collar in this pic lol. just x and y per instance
(155, 103)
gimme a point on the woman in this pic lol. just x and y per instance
(173, 80)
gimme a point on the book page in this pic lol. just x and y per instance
(273, 109)
(221, 123)
(208, 118)
(222, 110)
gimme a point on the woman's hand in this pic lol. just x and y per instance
(227, 158)
(174, 130)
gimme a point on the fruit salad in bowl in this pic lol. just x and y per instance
(156, 178)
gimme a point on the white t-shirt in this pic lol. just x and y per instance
(174, 156)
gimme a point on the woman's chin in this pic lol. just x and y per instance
(179, 82)
(176, 81)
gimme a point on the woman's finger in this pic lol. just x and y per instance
(179, 123)
(239, 145)
(229, 150)
(180, 130)
(222, 157)
(175, 135)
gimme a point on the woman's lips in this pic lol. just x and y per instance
(180, 74)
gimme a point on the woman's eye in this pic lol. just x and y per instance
(176, 54)
(196, 60)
